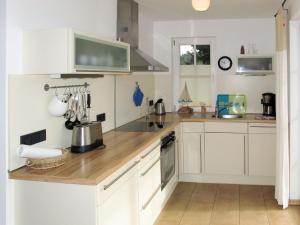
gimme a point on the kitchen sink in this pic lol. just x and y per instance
(231, 116)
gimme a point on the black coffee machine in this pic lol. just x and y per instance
(269, 104)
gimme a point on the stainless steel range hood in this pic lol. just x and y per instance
(127, 31)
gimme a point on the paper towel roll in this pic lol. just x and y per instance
(26, 151)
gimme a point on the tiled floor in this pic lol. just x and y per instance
(223, 204)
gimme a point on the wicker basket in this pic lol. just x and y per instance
(47, 163)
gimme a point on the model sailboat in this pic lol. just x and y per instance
(185, 99)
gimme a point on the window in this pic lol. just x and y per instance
(194, 54)
(202, 54)
(193, 57)
(187, 55)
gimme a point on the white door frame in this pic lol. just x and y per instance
(294, 109)
(176, 42)
(3, 150)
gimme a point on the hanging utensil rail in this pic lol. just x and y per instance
(47, 87)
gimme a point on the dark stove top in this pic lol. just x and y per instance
(140, 126)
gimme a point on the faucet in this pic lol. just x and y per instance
(218, 110)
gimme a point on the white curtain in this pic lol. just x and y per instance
(282, 154)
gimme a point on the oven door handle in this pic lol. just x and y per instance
(171, 141)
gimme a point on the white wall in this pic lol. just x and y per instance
(27, 100)
(3, 164)
(294, 9)
(230, 35)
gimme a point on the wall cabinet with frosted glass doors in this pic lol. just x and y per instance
(193, 64)
(65, 51)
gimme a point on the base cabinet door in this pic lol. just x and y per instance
(262, 153)
(121, 207)
(225, 153)
(192, 153)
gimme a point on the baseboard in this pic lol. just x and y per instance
(294, 202)
(227, 179)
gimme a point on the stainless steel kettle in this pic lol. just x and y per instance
(160, 107)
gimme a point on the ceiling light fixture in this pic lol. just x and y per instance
(201, 5)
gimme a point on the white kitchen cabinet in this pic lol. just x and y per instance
(46, 203)
(130, 196)
(262, 149)
(119, 202)
(192, 151)
(66, 51)
(150, 189)
(225, 153)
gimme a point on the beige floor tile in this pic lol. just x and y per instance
(205, 193)
(278, 216)
(251, 195)
(253, 215)
(212, 204)
(166, 223)
(227, 200)
(228, 192)
(184, 190)
(197, 213)
(225, 217)
(294, 211)
(268, 192)
(173, 210)
(194, 222)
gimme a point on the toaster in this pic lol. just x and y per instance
(87, 137)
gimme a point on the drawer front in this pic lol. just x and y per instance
(151, 212)
(116, 180)
(193, 127)
(262, 128)
(150, 180)
(225, 127)
(149, 153)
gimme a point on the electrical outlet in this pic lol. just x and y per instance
(101, 117)
(151, 103)
(33, 138)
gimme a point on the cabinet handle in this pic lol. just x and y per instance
(244, 155)
(263, 126)
(200, 153)
(151, 197)
(121, 175)
(143, 174)
(148, 153)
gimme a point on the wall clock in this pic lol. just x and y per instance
(225, 63)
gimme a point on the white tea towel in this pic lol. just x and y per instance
(26, 151)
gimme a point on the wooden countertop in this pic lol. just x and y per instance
(93, 167)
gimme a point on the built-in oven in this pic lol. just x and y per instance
(167, 160)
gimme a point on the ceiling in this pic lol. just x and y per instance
(160, 10)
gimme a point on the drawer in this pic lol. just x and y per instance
(225, 127)
(149, 214)
(149, 153)
(193, 127)
(107, 187)
(262, 128)
(150, 179)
